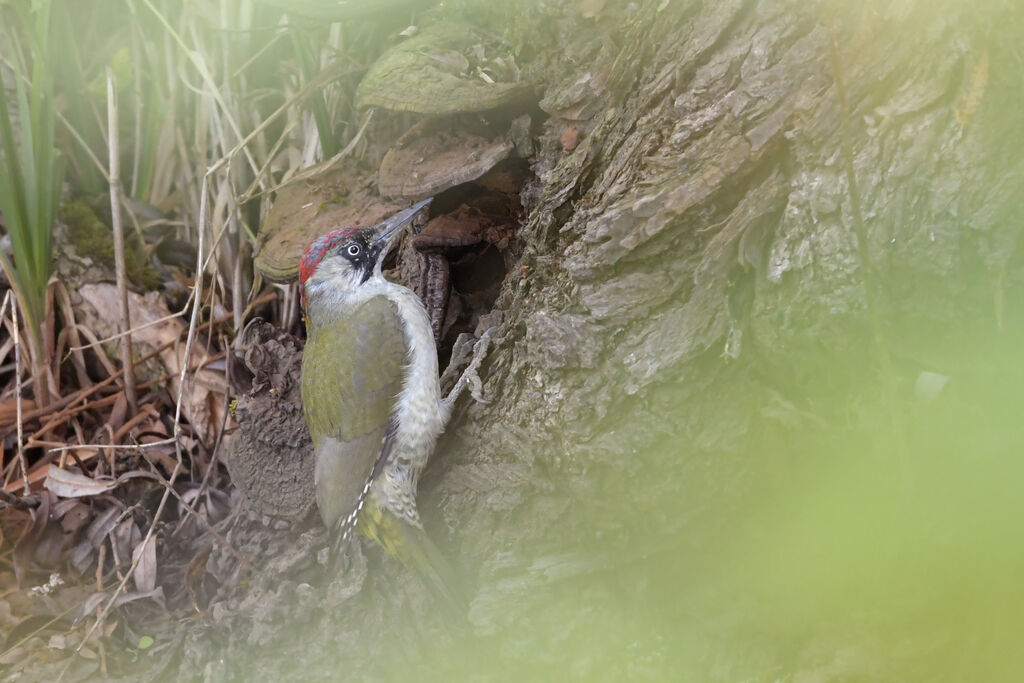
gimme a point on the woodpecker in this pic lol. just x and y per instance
(371, 394)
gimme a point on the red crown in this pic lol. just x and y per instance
(316, 251)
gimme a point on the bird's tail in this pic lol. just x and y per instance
(414, 549)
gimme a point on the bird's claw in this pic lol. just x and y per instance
(461, 350)
(464, 347)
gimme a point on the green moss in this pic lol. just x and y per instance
(87, 233)
(92, 238)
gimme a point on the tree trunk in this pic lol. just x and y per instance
(751, 226)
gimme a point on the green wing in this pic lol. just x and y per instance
(351, 377)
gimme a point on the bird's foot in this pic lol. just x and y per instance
(475, 350)
(347, 574)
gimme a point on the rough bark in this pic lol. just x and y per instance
(698, 252)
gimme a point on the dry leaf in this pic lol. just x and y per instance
(81, 556)
(123, 541)
(145, 571)
(101, 526)
(67, 484)
(51, 546)
(157, 595)
(202, 401)
(91, 603)
(36, 474)
(73, 514)
(25, 547)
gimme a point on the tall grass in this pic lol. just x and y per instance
(239, 91)
(31, 171)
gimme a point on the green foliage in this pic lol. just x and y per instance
(31, 172)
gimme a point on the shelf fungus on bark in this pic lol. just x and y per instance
(469, 89)
(448, 68)
(313, 205)
(435, 155)
(468, 151)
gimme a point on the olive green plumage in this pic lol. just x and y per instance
(414, 549)
(371, 396)
(351, 363)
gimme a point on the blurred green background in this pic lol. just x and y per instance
(875, 534)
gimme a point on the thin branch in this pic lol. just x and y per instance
(119, 335)
(73, 338)
(115, 223)
(123, 447)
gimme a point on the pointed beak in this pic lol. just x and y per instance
(393, 225)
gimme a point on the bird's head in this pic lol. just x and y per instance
(343, 260)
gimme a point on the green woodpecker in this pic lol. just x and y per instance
(371, 394)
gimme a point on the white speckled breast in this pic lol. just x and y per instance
(420, 418)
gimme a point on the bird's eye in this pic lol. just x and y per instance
(353, 250)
